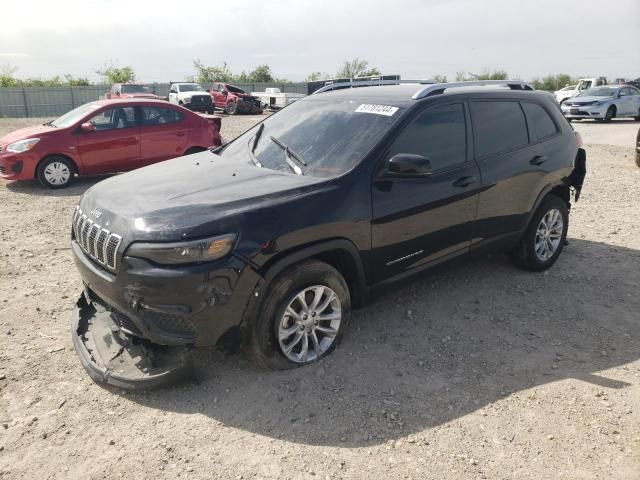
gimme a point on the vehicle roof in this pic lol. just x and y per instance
(401, 94)
(115, 101)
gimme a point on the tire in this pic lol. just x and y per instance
(309, 277)
(56, 172)
(525, 255)
(611, 113)
(192, 150)
(231, 108)
(637, 118)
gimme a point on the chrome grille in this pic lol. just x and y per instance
(97, 242)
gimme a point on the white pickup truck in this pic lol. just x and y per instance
(274, 99)
(584, 83)
(192, 96)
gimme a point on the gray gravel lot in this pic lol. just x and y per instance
(475, 371)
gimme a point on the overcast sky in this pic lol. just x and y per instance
(414, 38)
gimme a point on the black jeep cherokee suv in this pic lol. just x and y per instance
(271, 239)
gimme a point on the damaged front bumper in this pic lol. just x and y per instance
(111, 356)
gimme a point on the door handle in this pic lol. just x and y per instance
(464, 182)
(538, 160)
(180, 134)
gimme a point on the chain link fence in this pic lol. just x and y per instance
(55, 101)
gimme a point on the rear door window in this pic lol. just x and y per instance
(160, 116)
(439, 134)
(540, 122)
(499, 126)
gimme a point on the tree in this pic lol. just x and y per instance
(356, 68)
(485, 75)
(553, 82)
(315, 76)
(113, 74)
(262, 73)
(440, 78)
(207, 75)
(6, 75)
(76, 82)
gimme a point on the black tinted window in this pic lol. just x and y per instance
(438, 134)
(498, 126)
(160, 116)
(539, 121)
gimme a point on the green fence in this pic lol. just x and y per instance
(55, 101)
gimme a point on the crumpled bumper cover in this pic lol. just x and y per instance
(110, 356)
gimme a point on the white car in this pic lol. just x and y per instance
(604, 103)
(584, 83)
(564, 93)
(192, 96)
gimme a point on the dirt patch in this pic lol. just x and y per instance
(477, 370)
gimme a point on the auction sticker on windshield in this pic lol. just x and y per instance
(386, 110)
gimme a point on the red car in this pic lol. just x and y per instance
(130, 90)
(233, 99)
(106, 136)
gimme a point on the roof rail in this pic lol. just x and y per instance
(439, 88)
(367, 83)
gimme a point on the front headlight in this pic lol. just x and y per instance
(22, 145)
(195, 251)
(187, 99)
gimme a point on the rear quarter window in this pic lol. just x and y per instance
(540, 122)
(499, 126)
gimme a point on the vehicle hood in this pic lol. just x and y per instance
(191, 94)
(188, 197)
(139, 95)
(28, 132)
(583, 100)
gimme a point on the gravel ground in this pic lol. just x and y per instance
(478, 370)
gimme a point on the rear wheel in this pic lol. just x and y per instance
(302, 318)
(55, 172)
(231, 108)
(542, 243)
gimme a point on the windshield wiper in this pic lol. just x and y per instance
(48, 124)
(256, 139)
(294, 160)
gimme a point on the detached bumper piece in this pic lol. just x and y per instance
(113, 357)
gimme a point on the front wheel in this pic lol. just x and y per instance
(55, 172)
(610, 114)
(542, 243)
(231, 108)
(302, 318)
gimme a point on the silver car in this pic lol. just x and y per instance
(604, 103)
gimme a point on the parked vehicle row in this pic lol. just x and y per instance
(583, 84)
(214, 250)
(105, 136)
(604, 103)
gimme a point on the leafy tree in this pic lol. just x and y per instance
(356, 68)
(262, 73)
(553, 82)
(113, 74)
(440, 78)
(6, 75)
(207, 75)
(315, 76)
(485, 75)
(76, 82)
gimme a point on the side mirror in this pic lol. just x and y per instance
(87, 127)
(408, 165)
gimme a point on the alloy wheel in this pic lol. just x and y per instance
(310, 324)
(549, 234)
